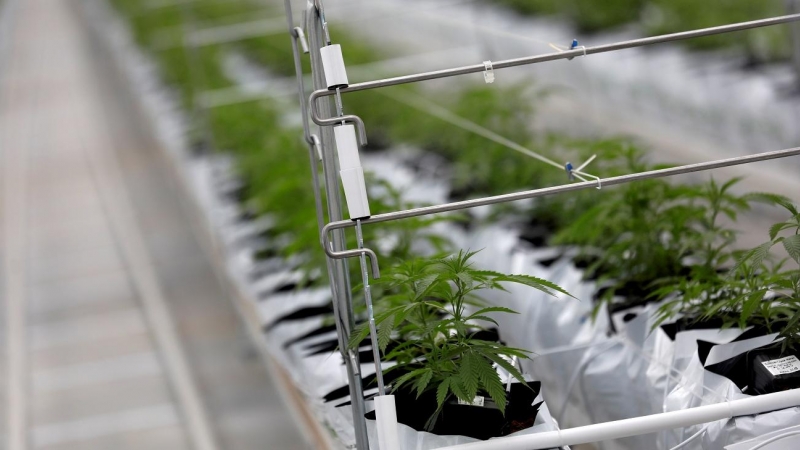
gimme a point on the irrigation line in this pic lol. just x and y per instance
(477, 68)
(427, 106)
(505, 198)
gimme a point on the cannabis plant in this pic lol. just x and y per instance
(433, 315)
(635, 234)
(710, 245)
(763, 290)
(760, 289)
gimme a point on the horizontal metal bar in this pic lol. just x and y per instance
(476, 68)
(604, 182)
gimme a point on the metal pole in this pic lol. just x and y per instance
(569, 54)
(505, 198)
(373, 332)
(337, 269)
(312, 141)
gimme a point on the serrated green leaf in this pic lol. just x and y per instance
(778, 227)
(754, 257)
(468, 375)
(358, 334)
(458, 389)
(491, 383)
(483, 311)
(441, 392)
(534, 282)
(385, 330)
(750, 305)
(408, 377)
(484, 318)
(423, 381)
(792, 246)
(773, 199)
(507, 366)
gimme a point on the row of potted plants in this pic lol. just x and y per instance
(641, 242)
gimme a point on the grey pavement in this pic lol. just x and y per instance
(117, 332)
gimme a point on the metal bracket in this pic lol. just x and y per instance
(315, 116)
(301, 38)
(344, 254)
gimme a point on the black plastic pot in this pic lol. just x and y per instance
(764, 370)
(772, 371)
(478, 422)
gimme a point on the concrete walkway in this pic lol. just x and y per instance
(117, 332)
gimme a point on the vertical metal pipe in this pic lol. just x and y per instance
(373, 332)
(337, 269)
(311, 141)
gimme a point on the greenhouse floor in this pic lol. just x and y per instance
(118, 333)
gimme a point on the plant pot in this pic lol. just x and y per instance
(771, 370)
(482, 420)
(762, 370)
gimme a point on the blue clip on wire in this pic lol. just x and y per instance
(568, 167)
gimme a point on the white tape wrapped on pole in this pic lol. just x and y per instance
(346, 146)
(355, 188)
(640, 425)
(386, 422)
(333, 66)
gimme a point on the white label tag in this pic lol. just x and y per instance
(789, 364)
(477, 401)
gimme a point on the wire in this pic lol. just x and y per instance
(775, 439)
(435, 110)
(422, 104)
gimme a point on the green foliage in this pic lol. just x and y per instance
(271, 158)
(589, 16)
(634, 233)
(431, 307)
(760, 289)
(764, 289)
(671, 16)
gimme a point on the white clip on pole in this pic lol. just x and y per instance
(488, 74)
(333, 65)
(355, 189)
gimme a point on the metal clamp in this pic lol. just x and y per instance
(344, 254)
(301, 38)
(355, 120)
